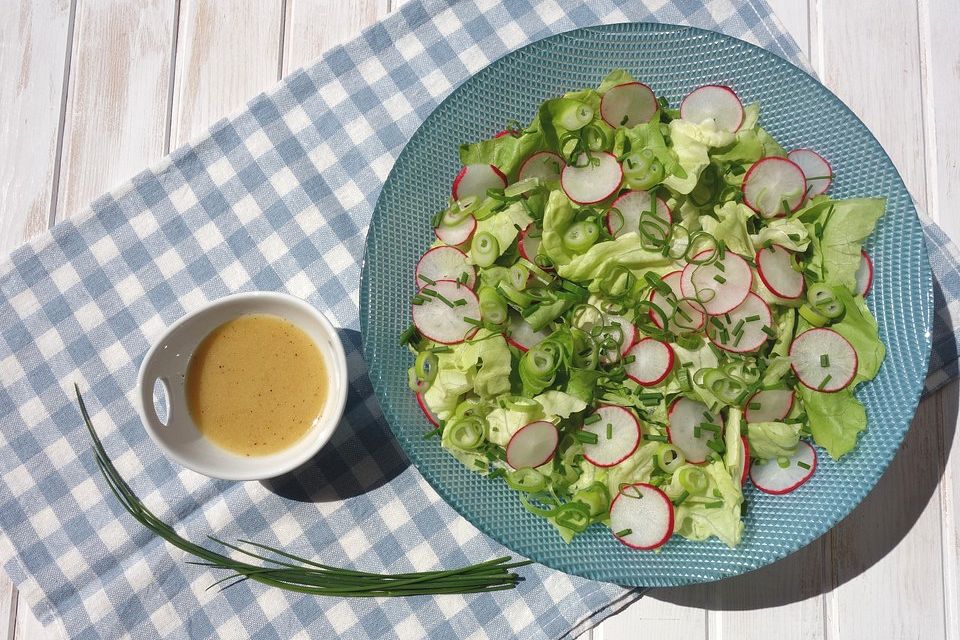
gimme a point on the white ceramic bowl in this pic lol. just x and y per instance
(167, 362)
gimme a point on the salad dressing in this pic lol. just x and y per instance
(256, 384)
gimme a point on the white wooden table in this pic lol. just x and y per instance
(92, 90)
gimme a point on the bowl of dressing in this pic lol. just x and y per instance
(247, 387)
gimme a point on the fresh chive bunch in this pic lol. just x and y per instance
(298, 574)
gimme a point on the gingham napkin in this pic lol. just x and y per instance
(277, 198)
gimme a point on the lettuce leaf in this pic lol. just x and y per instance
(691, 142)
(789, 233)
(695, 521)
(859, 327)
(491, 359)
(448, 387)
(843, 225)
(731, 227)
(558, 215)
(769, 440)
(598, 259)
(503, 423)
(558, 403)
(503, 226)
(836, 419)
(507, 152)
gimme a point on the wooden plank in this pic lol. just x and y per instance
(116, 114)
(313, 26)
(33, 61)
(888, 554)
(8, 608)
(655, 616)
(940, 59)
(227, 52)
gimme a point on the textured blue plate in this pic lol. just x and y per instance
(799, 112)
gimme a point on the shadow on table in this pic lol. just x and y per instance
(361, 456)
(861, 539)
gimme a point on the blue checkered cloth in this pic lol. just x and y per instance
(277, 198)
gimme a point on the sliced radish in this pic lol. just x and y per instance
(641, 516)
(522, 335)
(864, 274)
(770, 183)
(592, 183)
(475, 179)
(721, 285)
(533, 445)
(823, 360)
(816, 170)
(625, 337)
(628, 104)
(688, 316)
(529, 243)
(618, 436)
(457, 234)
(500, 134)
(444, 263)
(544, 165)
(770, 477)
(652, 361)
(431, 417)
(631, 206)
(744, 459)
(713, 102)
(769, 405)
(743, 328)
(685, 418)
(437, 320)
(776, 270)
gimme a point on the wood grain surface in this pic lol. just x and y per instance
(95, 89)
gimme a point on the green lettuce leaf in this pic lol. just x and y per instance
(770, 440)
(452, 381)
(557, 217)
(502, 423)
(789, 233)
(836, 419)
(615, 77)
(491, 359)
(843, 225)
(731, 227)
(691, 143)
(695, 521)
(503, 226)
(507, 152)
(598, 259)
(558, 403)
(859, 327)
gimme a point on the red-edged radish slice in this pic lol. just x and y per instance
(641, 516)
(592, 183)
(769, 405)
(625, 337)
(720, 288)
(631, 206)
(770, 183)
(628, 104)
(744, 459)
(683, 430)
(690, 319)
(770, 477)
(544, 165)
(456, 234)
(500, 134)
(713, 102)
(864, 274)
(776, 270)
(823, 360)
(430, 415)
(816, 170)
(475, 179)
(444, 263)
(652, 361)
(532, 445)
(437, 320)
(521, 335)
(623, 429)
(529, 243)
(738, 330)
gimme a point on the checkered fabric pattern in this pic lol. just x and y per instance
(276, 198)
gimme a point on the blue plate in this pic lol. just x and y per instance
(799, 112)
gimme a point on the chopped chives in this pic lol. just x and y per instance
(587, 437)
(696, 432)
(426, 279)
(736, 342)
(459, 302)
(717, 494)
(656, 438)
(770, 332)
(707, 416)
(716, 445)
(441, 349)
(719, 278)
(803, 465)
(679, 501)
(480, 464)
(824, 382)
(706, 426)
(738, 328)
(726, 317)
(592, 418)
(824, 360)
(716, 322)
(609, 431)
(754, 406)
(629, 359)
(794, 236)
(418, 300)
(473, 321)
(714, 505)
(720, 266)
(627, 531)
(751, 318)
